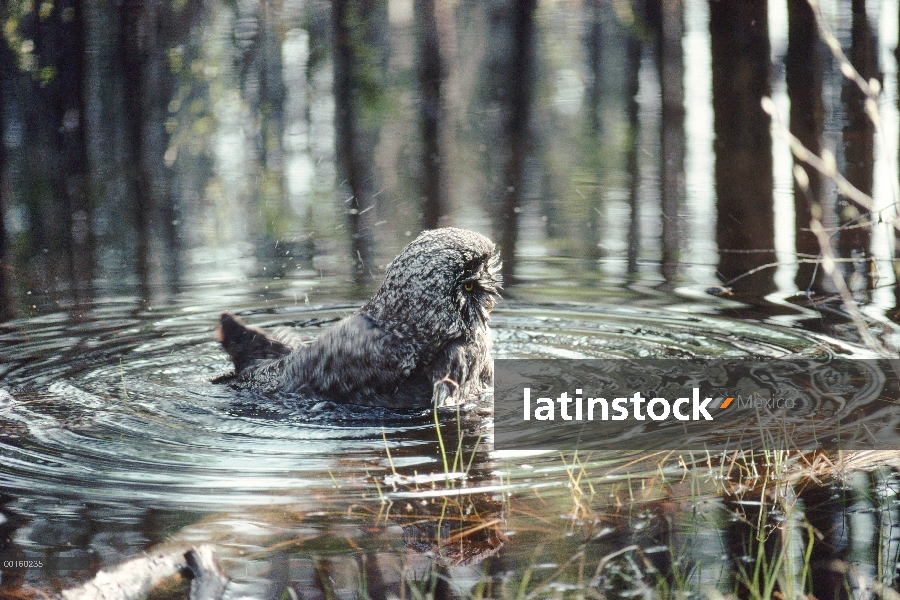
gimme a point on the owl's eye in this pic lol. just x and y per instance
(469, 286)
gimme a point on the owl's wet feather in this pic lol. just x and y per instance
(421, 340)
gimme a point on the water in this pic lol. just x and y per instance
(242, 145)
(115, 440)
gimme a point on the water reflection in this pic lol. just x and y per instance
(513, 55)
(745, 231)
(358, 44)
(826, 515)
(445, 516)
(855, 237)
(348, 126)
(632, 88)
(432, 32)
(672, 145)
(599, 30)
(804, 73)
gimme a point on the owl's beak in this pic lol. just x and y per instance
(488, 305)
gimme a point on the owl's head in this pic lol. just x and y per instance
(442, 286)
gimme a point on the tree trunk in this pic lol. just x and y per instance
(347, 131)
(632, 165)
(597, 32)
(134, 20)
(7, 71)
(745, 230)
(520, 74)
(262, 85)
(671, 132)
(431, 73)
(855, 238)
(71, 145)
(595, 64)
(803, 71)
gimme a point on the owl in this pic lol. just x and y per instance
(421, 341)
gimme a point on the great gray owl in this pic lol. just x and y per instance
(421, 340)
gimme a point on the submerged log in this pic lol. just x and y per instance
(136, 578)
(209, 582)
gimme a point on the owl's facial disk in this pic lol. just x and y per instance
(479, 289)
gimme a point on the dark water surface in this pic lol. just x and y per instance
(114, 440)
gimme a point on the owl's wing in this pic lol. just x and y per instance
(352, 361)
(462, 370)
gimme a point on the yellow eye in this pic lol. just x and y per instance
(469, 286)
